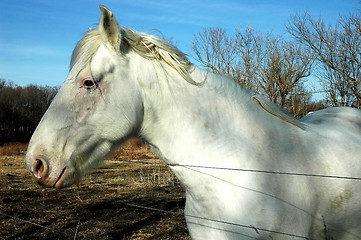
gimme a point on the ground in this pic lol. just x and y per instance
(105, 205)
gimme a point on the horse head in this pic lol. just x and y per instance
(98, 107)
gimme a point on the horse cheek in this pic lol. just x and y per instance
(84, 106)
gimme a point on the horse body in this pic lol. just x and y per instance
(247, 137)
(209, 131)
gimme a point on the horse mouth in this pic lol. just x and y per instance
(59, 183)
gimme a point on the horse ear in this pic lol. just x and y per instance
(108, 28)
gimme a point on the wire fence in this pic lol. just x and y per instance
(230, 169)
(144, 208)
(248, 170)
(35, 224)
(209, 220)
(203, 219)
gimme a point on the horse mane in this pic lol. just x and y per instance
(147, 46)
(154, 48)
(276, 111)
(85, 49)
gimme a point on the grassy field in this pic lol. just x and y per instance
(101, 207)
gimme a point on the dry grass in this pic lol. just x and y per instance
(100, 210)
(11, 149)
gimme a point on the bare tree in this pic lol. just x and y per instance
(284, 68)
(250, 50)
(215, 50)
(337, 49)
(267, 65)
(237, 56)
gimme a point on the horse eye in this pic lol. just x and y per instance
(88, 83)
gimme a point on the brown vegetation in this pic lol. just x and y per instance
(99, 207)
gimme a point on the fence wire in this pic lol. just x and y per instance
(229, 169)
(177, 213)
(35, 224)
(146, 208)
(243, 170)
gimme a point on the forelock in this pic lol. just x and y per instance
(85, 49)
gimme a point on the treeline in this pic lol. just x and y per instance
(21, 109)
(278, 66)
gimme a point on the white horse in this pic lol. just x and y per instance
(211, 132)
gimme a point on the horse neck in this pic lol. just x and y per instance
(183, 121)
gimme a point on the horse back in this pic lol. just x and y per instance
(339, 122)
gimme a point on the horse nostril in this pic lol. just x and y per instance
(39, 169)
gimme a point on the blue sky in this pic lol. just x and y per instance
(37, 36)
